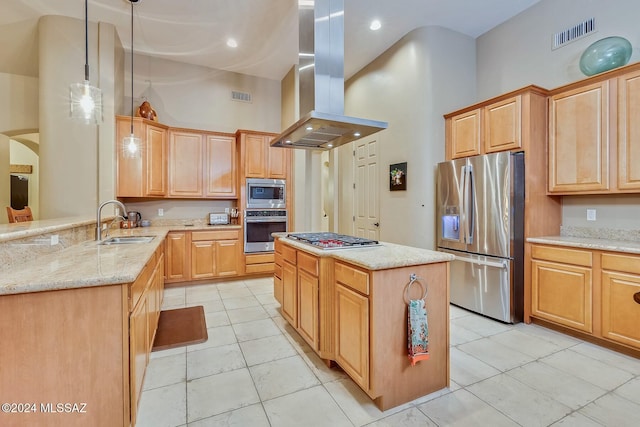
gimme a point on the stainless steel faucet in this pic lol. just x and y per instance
(98, 219)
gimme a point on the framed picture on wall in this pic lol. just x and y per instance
(398, 176)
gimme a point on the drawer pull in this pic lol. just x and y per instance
(636, 297)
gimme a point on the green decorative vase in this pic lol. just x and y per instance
(604, 55)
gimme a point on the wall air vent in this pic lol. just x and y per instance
(240, 96)
(574, 33)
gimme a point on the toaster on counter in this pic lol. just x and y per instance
(218, 218)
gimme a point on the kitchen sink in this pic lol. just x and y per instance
(124, 240)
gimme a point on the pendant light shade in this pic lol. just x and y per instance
(85, 101)
(131, 145)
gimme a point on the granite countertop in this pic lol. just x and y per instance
(595, 243)
(380, 257)
(20, 230)
(83, 265)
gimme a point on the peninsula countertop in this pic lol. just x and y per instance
(379, 257)
(88, 263)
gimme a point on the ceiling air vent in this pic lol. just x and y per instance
(240, 96)
(574, 33)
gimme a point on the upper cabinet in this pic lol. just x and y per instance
(146, 175)
(509, 122)
(579, 139)
(202, 165)
(594, 141)
(259, 159)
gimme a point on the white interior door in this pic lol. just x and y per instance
(366, 189)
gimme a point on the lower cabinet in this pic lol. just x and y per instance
(308, 316)
(198, 255)
(562, 291)
(587, 290)
(259, 263)
(178, 256)
(621, 299)
(290, 293)
(352, 334)
(143, 323)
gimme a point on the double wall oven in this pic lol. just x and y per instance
(265, 213)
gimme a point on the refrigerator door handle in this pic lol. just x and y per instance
(468, 204)
(501, 264)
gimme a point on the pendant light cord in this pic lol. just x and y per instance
(131, 68)
(86, 40)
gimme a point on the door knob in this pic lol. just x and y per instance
(377, 224)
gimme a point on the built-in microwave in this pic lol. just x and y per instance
(266, 193)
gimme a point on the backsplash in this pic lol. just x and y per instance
(601, 233)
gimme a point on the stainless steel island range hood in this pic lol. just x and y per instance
(322, 124)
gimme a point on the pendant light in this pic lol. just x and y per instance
(131, 145)
(85, 100)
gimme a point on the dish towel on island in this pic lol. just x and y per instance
(418, 340)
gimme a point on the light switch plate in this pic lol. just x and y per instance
(591, 214)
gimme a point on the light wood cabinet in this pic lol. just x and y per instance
(215, 253)
(202, 165)
(594, 138)
(502, 125)
(203, 259)
(352, 334)
(260, 159)
(178, 256)
(629, 132)
(259, 263)
(185, 164)
(621, 299)
(562, 286)
(464, 131)
(308, 314)
(146, 175)
(589, 291)
(138, 347)
(221, 173)
(360, 320)
(579, 139)
(505, 123)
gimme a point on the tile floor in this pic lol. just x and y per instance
(254, 370)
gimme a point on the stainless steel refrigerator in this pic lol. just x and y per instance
(480, 215)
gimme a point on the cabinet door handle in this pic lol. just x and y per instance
(636, 297)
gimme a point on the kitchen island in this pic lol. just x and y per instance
(350, 306)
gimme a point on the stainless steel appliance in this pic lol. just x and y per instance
(332, 240)
(266, 193)
(218, 218)
(258, 226)
(480, 220)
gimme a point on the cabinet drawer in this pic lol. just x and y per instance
(563, 255)
(289, 254)
(308, 263)
(215, 235)
(259, 259)
(267, 267)
(353, 278)
(625, 263)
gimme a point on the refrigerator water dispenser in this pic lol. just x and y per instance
(451, 227)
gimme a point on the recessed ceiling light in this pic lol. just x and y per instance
(329, 145)
(356, 134)
(232, 43)
(309, 128)
(287, 141)
(375, 25)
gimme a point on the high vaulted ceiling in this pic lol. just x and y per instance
(196, 31)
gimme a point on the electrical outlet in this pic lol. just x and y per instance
(591, 214)
(160, 212)
(54, 239)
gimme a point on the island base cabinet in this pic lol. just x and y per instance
(393, 381)
(352, 334)
(66, 346)
(308, 308)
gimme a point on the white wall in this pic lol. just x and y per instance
(197, 97)
(18, 114)
(518, 53)
(428, 73)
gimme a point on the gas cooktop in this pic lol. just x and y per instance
(332, 240)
